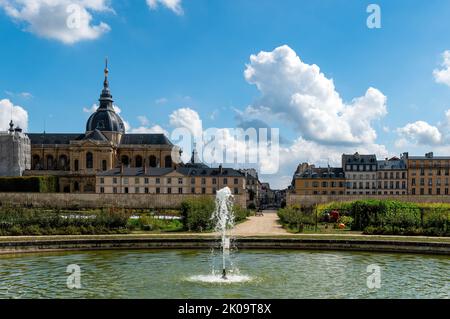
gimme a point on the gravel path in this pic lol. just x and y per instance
(260, 226)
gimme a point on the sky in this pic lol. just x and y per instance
(313, 69)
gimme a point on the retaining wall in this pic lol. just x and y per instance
(62, 200)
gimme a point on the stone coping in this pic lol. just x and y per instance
(395, 244)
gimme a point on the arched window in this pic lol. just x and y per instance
(76, 166)
(168, 161)
(89, 160)
(50, 162)
(153, 161)
(138, 161)
(36, 163)
(63, 162)
(125, 160)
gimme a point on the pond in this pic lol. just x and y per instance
(264, 274)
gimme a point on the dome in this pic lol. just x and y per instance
(105, 119)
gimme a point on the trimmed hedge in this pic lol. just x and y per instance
(394, 217)
(29, 184)
(22, 221)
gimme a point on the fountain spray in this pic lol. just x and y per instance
(224, 219)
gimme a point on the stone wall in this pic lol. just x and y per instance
(310, 200)
(61, 200)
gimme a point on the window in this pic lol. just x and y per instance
(146, 180)
(126, 190)
(115, 190)
(104, 165)
(414, 191)
(102, 189)
(180, 181)
(236, 191)
(446, 191)
(169, 190)
(152, 161)
(125, 160)
(146, 190)
(158, 190)
(413, 182)
(193, 180)
(168, 161)
(324, 184)
(125, 180)
(89, 160)
(225, 181)
(169, 180)
(203, 181)
(76, 165)
(193, 190)
(137, 190)
(422, 191)
(438, 191)
(214, 181)
(430, 191)
(138, 161)
(136, 180)
(203, 190)
(214, 190)
(158, 181)
(180, 190)
(114, 180)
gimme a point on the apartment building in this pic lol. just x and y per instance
(311, 180)
(182, 180)
(393, 176)
(360, 173)
(428, 175)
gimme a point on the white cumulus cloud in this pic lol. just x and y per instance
(67, 21)
(443, 75)
(421, 132)
(187, 118)
(18, 113)
(173, 5)
(301, 94)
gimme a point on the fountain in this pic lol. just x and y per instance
(223, 218)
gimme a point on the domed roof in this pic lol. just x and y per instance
(105, 119)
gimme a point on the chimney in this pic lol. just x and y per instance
(220, 169)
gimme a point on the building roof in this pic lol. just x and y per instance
(359, 159)
(145, 139)
(203, 172)
(127, 139)
(54, 138)
(322, 172)
(429, 156)
(392, 164)
(136, 171)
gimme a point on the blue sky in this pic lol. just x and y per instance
(193, 56)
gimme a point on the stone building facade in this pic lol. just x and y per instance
(428, 175)
(182, 180)
(15, 152)
(311, 180)
(78, 158)
(393, 176)
(360, 174)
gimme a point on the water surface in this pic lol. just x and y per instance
(272, 273)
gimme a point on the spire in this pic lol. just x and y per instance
(106, 71)
(106, 101)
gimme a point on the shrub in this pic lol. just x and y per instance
(29, 184)
(240, 213)
(293, 217)
(197, 213)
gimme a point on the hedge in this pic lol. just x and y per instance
(197, 213)
(29, 184)
(394, 217)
